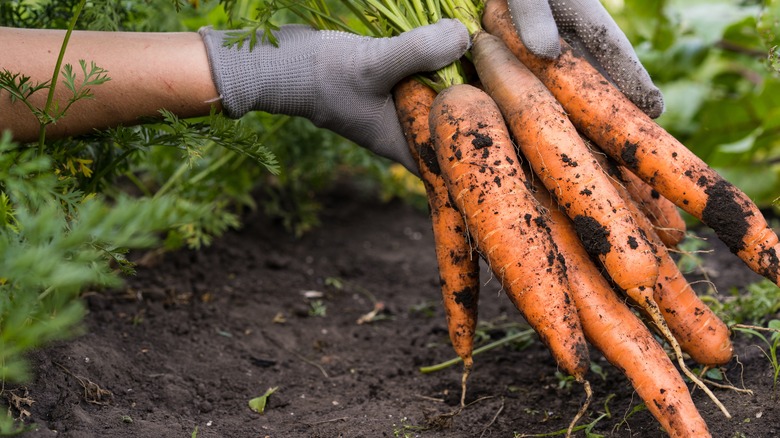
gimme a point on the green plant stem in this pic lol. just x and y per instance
(773, 343)
(323, 7)
(398, 21)
(178, 174)
(420, 13)
(244, 8)
(434, 10)
(466, 11)
(372, 28)
(46, 293)
(482, 349)
(319, 17)
(229, 155)
(55, 76)
(139, 184)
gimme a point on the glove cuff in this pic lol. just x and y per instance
(222, 68)
(278, 80)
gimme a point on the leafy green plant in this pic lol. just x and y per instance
(50, 254)
(312, 163)
(71, 209)
(754, 305)
(223, 160)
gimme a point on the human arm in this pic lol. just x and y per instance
(148, 71)
(340, 81)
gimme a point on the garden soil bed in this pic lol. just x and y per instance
(182, 348)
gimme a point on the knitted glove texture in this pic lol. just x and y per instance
(339, 81)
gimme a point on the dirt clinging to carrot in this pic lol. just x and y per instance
(628, 155)
(554, 149)
(457, 260)
(428, 157)
(593, 235)
(606, 116)
(725, 215)
(505, 222)
(466, 298)
(619, 334)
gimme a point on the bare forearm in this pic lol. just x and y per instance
(148, 71)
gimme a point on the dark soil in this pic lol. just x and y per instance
(195, 335)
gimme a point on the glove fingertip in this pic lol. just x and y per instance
(536, 27)
(543, 48)
(423, 49)
(653, 103)
(542, 41)
(454, 34)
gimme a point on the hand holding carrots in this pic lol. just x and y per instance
(559, 179)
(606, 200)
(589, 28)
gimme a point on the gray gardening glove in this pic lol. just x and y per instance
(338, 80)
(588, 27)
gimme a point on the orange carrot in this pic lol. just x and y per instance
(621, 337)
(700, 332)
(548, 139)
(481, 170)
(566, 166)
(552, 146)
(458, 260)
(607, 117)
(664, 215)
(694, 325)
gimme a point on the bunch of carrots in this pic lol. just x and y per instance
(570, 193)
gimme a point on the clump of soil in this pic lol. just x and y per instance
(196, 335)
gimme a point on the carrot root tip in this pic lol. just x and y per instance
(583, 408)
(468, 363)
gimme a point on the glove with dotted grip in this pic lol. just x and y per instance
(589, 28)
